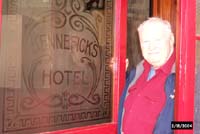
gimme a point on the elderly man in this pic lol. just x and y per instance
(147, 102)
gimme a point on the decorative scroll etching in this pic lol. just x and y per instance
(60, 76)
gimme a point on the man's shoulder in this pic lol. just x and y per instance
(134, 74)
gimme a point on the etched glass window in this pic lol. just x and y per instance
(54, 64)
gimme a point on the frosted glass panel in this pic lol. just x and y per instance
(54, 69)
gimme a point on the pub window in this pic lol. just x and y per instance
(54, 64)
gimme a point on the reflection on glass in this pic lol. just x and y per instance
(198, 16)
(138, 11)
(54, 70)
(197, 90)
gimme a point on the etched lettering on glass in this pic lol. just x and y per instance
(61, 77)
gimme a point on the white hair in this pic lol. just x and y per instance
(155, 21)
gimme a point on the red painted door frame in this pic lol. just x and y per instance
(120, 13)
(185, 58)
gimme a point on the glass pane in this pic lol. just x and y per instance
(198, 16)
(138, 11)
(54, 69)
(197, 90)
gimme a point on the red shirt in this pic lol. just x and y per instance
(146, 100)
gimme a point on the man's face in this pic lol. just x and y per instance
(156, 45)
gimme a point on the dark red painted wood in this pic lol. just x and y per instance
(120, 52)
(197, 37)
(0, 19)
(184, 100)
(109, 128)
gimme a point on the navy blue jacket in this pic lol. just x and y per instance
(163, 124)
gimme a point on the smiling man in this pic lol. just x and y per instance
(147, 102)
